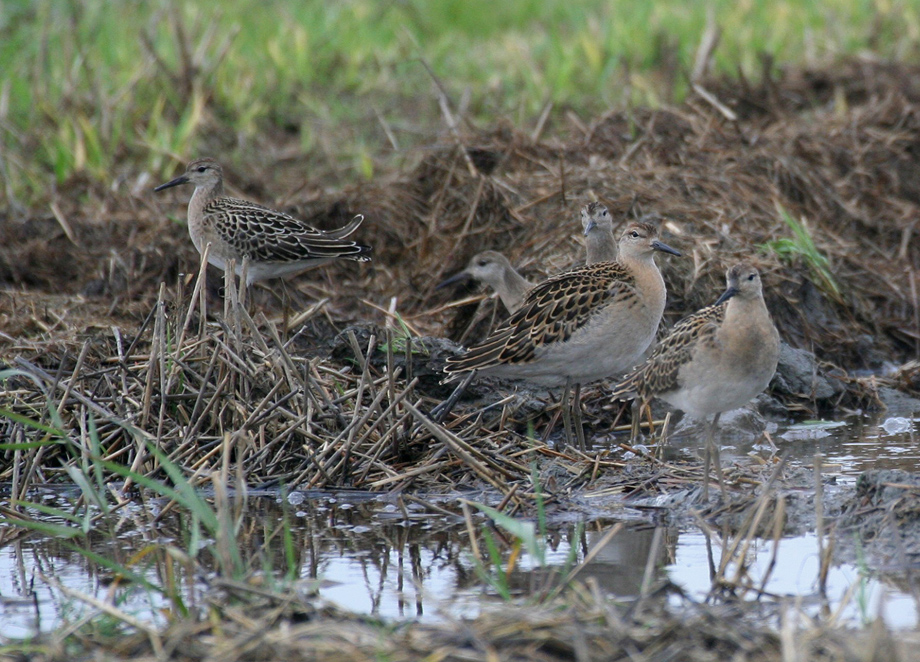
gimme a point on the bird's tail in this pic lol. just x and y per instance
(347, 229)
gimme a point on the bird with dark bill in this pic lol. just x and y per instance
(713, 361)
(493, 269)
(262, 242)
(581, 325)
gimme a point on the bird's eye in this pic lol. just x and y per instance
(752, 276)
(604, 213)
(634, 234)
(483, 263)
(202, 168)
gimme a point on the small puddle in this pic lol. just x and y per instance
(366, 556)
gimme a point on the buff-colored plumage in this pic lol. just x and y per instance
(269, 242)
(581, 325)
(716, 359)
(713, 361)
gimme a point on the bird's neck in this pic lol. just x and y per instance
(749, 319)
(512, 288)
(201, 197)
(648, 279)
(601, 247)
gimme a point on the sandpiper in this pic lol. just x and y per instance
(715, 360)
(600, 243)
(581, 325)
(261, 242)
(493, 269)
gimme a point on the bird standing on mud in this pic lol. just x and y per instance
(581, 325)
(262, 243)
(713, 361)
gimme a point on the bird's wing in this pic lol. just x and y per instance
(659, 373)
(267, 235)
(551, 313)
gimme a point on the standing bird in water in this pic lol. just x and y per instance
(262, 243)
(713, 361)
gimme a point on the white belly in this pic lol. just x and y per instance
(604, 349)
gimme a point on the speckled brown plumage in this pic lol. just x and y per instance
(553, 311)
(581, 325)
(714, 361)
(270, 242)
(659, 373)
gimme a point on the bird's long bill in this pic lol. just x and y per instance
(729, 292)
(181, 179)
(590, 226)
(456, 278)
(664, 248)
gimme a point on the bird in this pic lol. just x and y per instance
(493, 269)
(581, 325)
(262, 242)
(714, 360)
(600, 242)
(601, 245)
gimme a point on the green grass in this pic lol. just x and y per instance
(801, 246)
(81, 93)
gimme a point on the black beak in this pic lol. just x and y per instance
(456, 278)
(664, 248)
(181, 179)
(729, 292)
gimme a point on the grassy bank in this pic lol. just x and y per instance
(103, 90)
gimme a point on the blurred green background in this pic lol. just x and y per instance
(98, 89)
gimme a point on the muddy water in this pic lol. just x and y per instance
(361, 551)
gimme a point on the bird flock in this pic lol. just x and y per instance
(593, 322)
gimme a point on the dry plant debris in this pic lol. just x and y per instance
(114, 347)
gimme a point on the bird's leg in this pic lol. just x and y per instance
(715, 453)
(244, 278)
(712, 451)
(285, 306)
(439, 413)
(635, 412)
(706, 464)
(566, 413)
(579, 428)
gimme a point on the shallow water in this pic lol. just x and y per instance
(365, 555)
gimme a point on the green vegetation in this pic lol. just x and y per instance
(802, 246)
(104, 89)
(525, 536)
